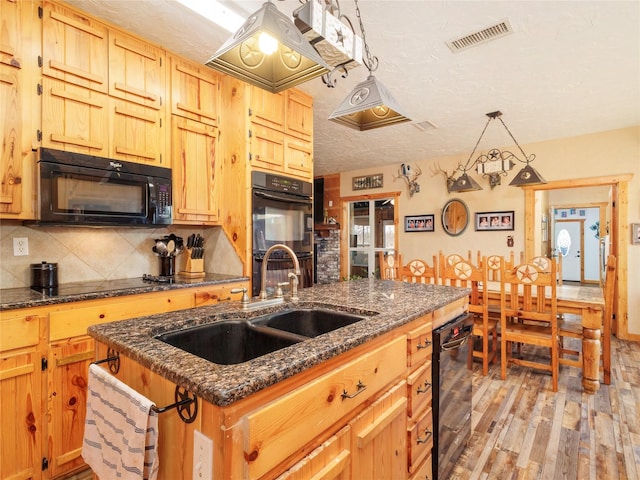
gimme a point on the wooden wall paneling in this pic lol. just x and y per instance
(74, 47)
(236, 169)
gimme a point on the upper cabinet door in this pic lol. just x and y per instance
(74, 48)
(136, 70)
(195, 91)
(267, 108)
(299, 115)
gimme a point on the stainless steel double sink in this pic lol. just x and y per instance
(229, 342)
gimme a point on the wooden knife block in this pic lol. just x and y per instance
(193, 267)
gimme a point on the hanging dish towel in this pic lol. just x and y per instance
(120, 431)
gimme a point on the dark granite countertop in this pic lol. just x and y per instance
(387, 305)
(13, 298)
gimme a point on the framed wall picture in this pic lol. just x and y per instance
(493, 221)
(418, 223)
(635, 233)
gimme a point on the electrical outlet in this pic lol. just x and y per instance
(202, 456)
(20, 246)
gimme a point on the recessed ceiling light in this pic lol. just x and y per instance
(216, 12)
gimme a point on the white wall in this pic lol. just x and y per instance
(598, 154)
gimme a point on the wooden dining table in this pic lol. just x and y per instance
(588, 302)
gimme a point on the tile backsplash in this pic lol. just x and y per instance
(93, 254)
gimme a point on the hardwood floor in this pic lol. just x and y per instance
(522, 430)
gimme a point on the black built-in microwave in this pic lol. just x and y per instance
(79, 189)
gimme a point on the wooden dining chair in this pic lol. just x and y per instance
(389, 263)
(465, 274)
(419, 271)
(529, 316)
(570, 326)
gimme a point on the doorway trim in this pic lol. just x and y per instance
(619, 231)
(344, 231)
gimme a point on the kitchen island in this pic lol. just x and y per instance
(265, 416)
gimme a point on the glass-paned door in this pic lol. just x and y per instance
(372, 229)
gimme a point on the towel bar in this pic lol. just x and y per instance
(185, 403)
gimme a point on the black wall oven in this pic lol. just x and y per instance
(282, 213)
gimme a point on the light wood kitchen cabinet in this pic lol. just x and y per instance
(45, 355)
(21, 385)
(299, 115)
(136, 89)
(267, 148)
(74, 47)
(379, 437)
(19, 48)
(363, 414)
(298, 157)
(68, 364)
(74, 118)
(195, 91)
(330, 461)
(196, 172)
(281, 132)
(420, 394)
(275, 432)
(268, 108)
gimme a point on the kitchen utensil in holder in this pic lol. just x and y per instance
(167, 266)
(193, 267)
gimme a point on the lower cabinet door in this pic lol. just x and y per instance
(20, 422)
(330, 461)
(68, 376)
(379, 438)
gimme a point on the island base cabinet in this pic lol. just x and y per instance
(330, 461)
(379, 438)
(68, 377)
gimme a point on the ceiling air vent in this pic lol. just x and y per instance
(425, 125)
(500, 29)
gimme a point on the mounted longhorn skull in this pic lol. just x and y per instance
(445, 174)
(410, 175)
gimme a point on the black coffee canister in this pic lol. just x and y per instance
(44, 275)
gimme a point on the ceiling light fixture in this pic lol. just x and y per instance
(370, 105)
(495, 164)
(246, 54)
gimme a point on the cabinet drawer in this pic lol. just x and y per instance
(419, 345)
(213, 296)
(330, 461)
(424, 471)
(420, 440)
(74, 322)
(420, 391)
(19, 331)
(278, 430)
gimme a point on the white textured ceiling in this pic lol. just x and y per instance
(570, 68)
